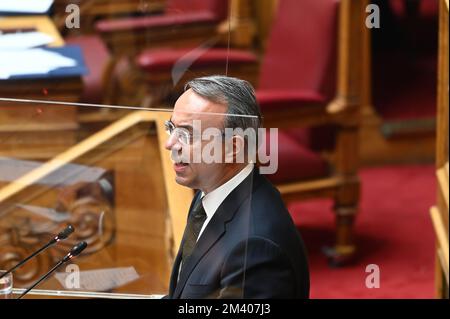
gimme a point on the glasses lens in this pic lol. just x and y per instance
(183, 136)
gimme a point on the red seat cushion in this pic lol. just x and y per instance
(155, 21)
(295, 161)
(96, 58)
(165, 59)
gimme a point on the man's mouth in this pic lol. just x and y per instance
(180, 166)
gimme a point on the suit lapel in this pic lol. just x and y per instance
(174, 274)
(216, 228)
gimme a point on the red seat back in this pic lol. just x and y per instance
(301, 50)
(218, 7)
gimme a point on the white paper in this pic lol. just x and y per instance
(25, 6)
(33, 61)
(24, 40)
(99, 280)
(11, 169)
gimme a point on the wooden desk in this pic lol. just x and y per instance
(37, 130)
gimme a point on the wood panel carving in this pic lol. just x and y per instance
(24, 229)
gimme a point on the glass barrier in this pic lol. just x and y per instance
(87, 91)
(123, 183)
(103, 177)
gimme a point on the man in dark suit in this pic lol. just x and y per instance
(239, 241)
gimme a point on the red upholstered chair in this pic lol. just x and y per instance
(200, 16)
(164, 71)
(185, 23)
(296, 85)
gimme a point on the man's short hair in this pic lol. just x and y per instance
(238, 95)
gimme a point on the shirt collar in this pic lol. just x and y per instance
(212, 200)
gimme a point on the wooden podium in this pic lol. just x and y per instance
(141, 227)
(139, 224)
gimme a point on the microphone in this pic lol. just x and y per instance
(66, 232)
(75, 251)
(61, 236)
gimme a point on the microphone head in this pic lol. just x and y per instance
(78, 248)
(65, 233)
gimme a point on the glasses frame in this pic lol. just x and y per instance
(182, 132)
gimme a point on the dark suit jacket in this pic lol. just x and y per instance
(249, 249)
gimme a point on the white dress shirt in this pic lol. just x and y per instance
(212, 201)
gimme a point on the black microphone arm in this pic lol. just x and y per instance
(61, 236)
(75, 251)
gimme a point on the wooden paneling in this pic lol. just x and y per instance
(440, 212)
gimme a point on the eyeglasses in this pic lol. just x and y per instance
(181, 133)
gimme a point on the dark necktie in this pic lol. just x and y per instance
(193, 227)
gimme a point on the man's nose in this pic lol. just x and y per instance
(172, 143)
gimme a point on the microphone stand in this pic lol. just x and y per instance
(61, 236)
(42, 278)
(75, 251)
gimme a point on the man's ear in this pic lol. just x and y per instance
(235, 149)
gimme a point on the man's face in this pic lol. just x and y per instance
(191, 107)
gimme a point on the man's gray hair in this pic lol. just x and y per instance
(238, 95)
